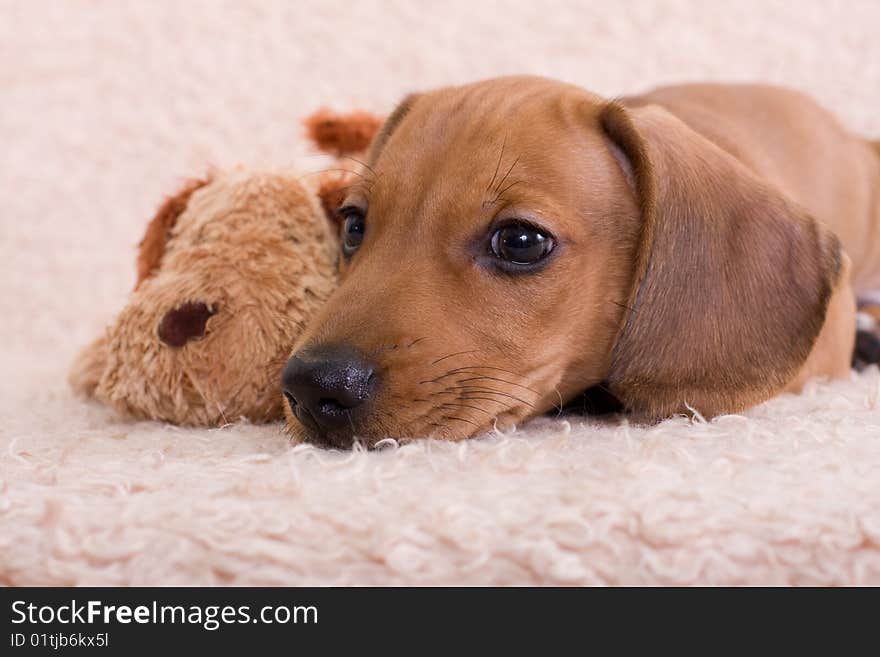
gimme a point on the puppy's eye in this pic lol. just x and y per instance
(353, 228)
(521, 244)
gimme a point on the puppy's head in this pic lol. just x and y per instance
(516, 241)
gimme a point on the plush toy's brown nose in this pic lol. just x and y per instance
(184, 323)
(327, 389)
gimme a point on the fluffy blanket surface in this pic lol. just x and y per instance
(107, 106)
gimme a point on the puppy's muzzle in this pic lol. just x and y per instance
(328, 389)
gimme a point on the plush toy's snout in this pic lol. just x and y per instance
(203, 337)
(186, 322)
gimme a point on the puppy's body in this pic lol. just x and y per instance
(706, 246)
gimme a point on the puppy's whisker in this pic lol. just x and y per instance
(354, 186)
(441, 392)
(559, 408)
(470, 397)
(498, 165)
(476, 408)
(470, 369)
(490, 391)
(415, 342)
(475, 369)
(363, 164)
(486, 367)
(505, 177)
(457, 353)
(460, 419)
(493, 378)
(500, 194)
(438, 379)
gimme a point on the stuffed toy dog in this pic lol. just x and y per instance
(228, 272)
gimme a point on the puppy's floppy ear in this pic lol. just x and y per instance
(152, 246)
(731, 280)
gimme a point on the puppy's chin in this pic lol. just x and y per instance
(369, 437)
(300, 434)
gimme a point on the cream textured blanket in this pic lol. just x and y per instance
(107, 105)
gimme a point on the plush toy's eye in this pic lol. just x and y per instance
(353, 227)
(521, 244)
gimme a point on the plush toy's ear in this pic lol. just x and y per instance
(152, 246)
(88, 367)
(342, 134)
(732, 279)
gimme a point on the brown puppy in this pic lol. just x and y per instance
(517, 241)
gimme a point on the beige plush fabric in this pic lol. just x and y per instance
(107, 106)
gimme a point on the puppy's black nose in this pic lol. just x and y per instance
(326, 388)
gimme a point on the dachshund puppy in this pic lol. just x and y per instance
(515, 242)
